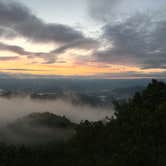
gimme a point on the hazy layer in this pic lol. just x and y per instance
(17, 107)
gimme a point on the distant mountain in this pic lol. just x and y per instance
(76, 85)
(135, 136)
(37, 128)
(125, 93)
(44, 119)
(98, 98)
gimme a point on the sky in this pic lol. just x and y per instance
(83, 38)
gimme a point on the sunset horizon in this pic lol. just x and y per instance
(82, 39)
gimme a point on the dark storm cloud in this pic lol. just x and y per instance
(17, 20)
(134, 31)
(139, 40)
(113, 10)
(101, 10)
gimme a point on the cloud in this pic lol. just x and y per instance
(113, 10)
(111, 75)
(9, 58)
(88, 44)
(51, 56)
(132, 36)
(132, 74)
(16, 49)
(18, 20)
(22, 21)
(102, 10)
(138, 41)
(133, 32)
(48, 57)
(11, 111)
(22, 69)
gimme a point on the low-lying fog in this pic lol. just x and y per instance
(17, 107)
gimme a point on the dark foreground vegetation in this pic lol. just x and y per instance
(135, 136)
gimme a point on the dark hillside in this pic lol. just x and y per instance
(135, 136)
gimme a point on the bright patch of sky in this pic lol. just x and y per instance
(69, 12)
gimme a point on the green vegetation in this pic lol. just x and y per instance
(36, 129)
(135, 136)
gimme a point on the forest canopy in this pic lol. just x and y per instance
(135, 136)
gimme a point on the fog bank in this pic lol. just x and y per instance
(17, 107)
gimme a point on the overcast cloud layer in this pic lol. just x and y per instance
(133, 33)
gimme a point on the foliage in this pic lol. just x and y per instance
(135, 136)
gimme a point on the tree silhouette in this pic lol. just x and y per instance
(135, 136)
